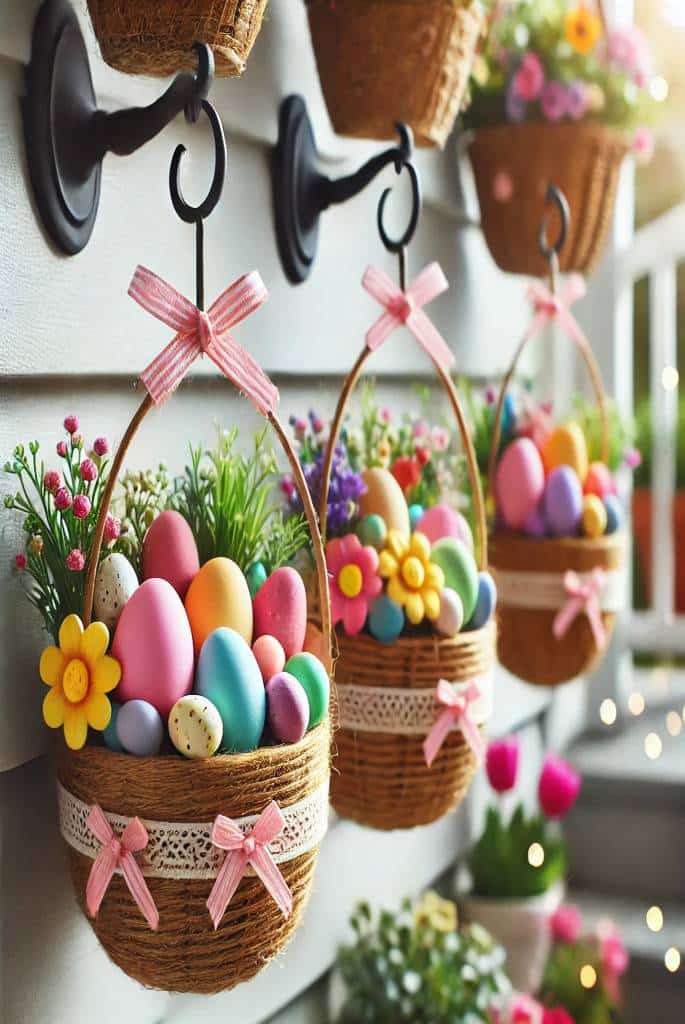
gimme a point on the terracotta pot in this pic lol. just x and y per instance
(642, 528)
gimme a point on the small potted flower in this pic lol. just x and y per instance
(517, 866)
(558, 98)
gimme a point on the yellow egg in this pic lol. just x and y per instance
(219, 596)
(566, 446)
(383, 497)
(594, 516)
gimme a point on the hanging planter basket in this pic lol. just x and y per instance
(383, 61)
(155, 37)
(513, 166)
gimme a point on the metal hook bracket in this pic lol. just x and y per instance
(556, 197)
(301, 192)
(67, 136)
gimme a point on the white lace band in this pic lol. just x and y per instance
(545, 590)
(182, 849)
(404, 712)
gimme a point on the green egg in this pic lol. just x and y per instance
(256, 576)
(372, 531)
(312, 676)
(461, 572)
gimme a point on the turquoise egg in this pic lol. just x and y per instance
(109, 734)
(461, 573)
(508, 416)
(485, 603)
(415, 515)
(372, 531)
(255, 576)
(313, 677)
(386, 619)
(615, 515)
(228, 675)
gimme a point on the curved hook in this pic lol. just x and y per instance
(203, 81)
(193, 214)
(396, 245)
(556, 196)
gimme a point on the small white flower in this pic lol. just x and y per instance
(411, 982)
(395, 956)
(469, 973)
(521, 36)
(392, 992)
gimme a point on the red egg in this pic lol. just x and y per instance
(170, 552)
(598, 481)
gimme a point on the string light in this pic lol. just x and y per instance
(669, 378)
(655, 919)
(636, 703)
(674, 723)
(588, 976)
(659, 89)
(536, 855)
(653, 746)
(672, 959)
(607, 711)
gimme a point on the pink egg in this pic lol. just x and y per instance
(288, 708)
(269, 655)
(442, 521)
(170, 552)
(154, 646)
(519, 482)
(280, 610)
(598, 481)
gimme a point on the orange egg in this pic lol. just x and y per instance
(383, 497)
(566, 446)
(219, 596)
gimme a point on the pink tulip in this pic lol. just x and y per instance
(71, 424)
(557, 1015)
(558, 787)
(501, 763)
(112, 528)
(530, 78)
(525, 1010)
(566, 923)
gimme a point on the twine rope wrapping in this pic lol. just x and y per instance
(547, 590)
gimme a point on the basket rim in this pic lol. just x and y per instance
(430, 640)
(609, 542)
(599, 129)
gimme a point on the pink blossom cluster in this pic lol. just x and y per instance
(558, 786)
(529, 84)
(627, 49)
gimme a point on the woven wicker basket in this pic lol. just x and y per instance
(382, 61)
(583, 160)
(154, 37)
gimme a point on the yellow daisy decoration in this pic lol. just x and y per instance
(436, 913)
(414, 582)
(79, 674)
(582, 28)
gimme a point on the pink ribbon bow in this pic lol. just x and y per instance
(252, 850)
(199, 332)
(584, 595)
(405, 308)
(549, 307)
(457, 710)
(118, 853)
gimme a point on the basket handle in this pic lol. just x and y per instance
(303, 491)
(472, 466)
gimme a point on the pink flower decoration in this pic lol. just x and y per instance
(62, 499)
(385, 414)
(112, 528)
(354, 581)
(525, 1010)
(530, 78)
(503, 187)
(71, 424)
(554, 101)
(61, 449)
(557, 1015)
(52, 481)
(440, 438)
(615, 960)
(288, 487)
(89, 470)
(643, 144)
(76, 560)
(20, 561)
(82, 506)
(419, 429)
(558, 787)
(633, 458)
(566, 923)
(101, 446)
(501, 763)
(628, 49)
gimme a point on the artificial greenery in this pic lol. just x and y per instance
(142, 496)
(645, 439)
(561, 983)
(416, 966)
(621, 431)
(499, 864)
(231, 502)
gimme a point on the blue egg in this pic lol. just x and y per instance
(140, 730)
(615, 516)
(508, 417)
(486, 602)
(255, 576)
(386, 619)
(109, 734)
(415, 515)
(228, 675)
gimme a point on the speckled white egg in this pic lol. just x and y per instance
(195, 726)
(115, 583)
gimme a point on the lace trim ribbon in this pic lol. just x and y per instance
(183, 849)
(402, 712)
(546, 590)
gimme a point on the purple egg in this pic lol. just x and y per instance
(288, 707)
(139, 728)
(535, 525)
(563, 502)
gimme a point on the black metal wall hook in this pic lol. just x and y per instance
(67, 136)
(396, 245)
(556, 197)
(301, 193)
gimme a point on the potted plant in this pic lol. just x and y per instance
(557, 99)
(517, 866)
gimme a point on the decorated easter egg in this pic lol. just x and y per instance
(288, 708)
(154, 647)
(115, 582)
(614, 511)
(415, 514)
(599, 480)
(170, 552)
(372, 531)
(519, 482)
(109, 734)
(309, 671)
(269, 654)
(256, 575)
(140, 730)
(383, 497)
(386, 619)
(440, 521)
(563, 502)
(534, 525)
(195, 726)
(280, 609)
(594, 516)
(486, 602)
(219, 596)
(228, 675)
(459, 567)
(566, 446)
(315, 642)
(451, 616)
(508, 416)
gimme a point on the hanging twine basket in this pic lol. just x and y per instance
(383, 61)
(178, 802)
(155, 37)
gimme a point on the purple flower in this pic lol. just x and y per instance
(554, 101)
(346, 487)
(514, 104)
(576, 101)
